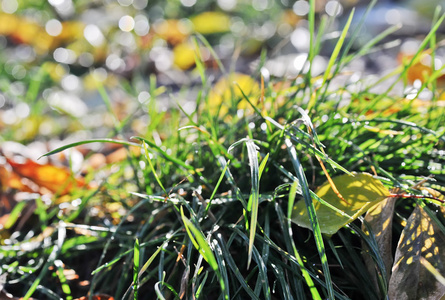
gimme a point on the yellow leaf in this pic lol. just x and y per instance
(211, 22)
(360, 191)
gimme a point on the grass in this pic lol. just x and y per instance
(204, 212)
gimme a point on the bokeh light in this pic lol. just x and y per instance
(301, 7)
(300, 39)
(141, 25)
(227, 5)
(126, 23)
(77, 46)
(64, 55)
(53, 27)
(188, 3)
(334, 8)
(94, 35)
(140, 4)
(125, 2)
(2, 100)
(9, 6)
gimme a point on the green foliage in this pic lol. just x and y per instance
(192, 213)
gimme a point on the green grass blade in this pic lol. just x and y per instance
(103, 93)
(307, 120)
(158, 291)
(337, 48)
(199, 241)
(203, 247)
(316, 151)
(64, 284)
(34, 85)
(288, 236)
(136, 269)
(263, 165)
(279, 274)
(311, 25)
(212, 51)
(199, 62)
(233, 266)
(333, 58)
(60, 149)
(200, 288)
(262, 268)
(356, 32)
(221, 177)
(365, 49)
(50, 261)
(15, 214)
(164, 154)
(147, 156)
(403, 69)
(253, 203)
(128, 252)
(312, 216)
(291, 201)
(222, 265)
(152, 257)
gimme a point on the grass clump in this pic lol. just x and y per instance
(202, 208)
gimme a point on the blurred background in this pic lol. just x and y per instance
(56, 55)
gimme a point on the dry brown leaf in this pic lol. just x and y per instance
(410, 279)
(379, 217)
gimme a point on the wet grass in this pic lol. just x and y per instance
(204, 211)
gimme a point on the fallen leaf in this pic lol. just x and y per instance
(379, 218)
(360, 192)
(11, 180)
(410, 279)
(56, 179)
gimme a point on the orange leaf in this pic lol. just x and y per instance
(12, 180)
(55, 179)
